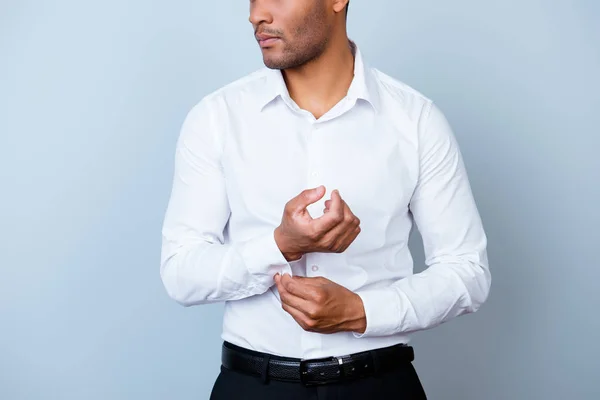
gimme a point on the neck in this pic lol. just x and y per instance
(320, 84)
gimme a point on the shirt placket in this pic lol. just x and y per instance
(312, 342)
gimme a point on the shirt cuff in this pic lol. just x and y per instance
(382, 311)
(263, 258)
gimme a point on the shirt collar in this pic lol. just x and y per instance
(363, 86)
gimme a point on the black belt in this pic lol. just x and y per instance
(315, 371)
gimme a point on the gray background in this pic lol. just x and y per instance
(92, 95)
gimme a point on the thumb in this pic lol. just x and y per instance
(308, 197)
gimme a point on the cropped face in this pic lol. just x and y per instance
(291, 33)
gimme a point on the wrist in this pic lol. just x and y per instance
(283, 248)
(358, 318)
(292, 256)
(279, 240)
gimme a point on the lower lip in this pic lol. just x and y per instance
(267, 42)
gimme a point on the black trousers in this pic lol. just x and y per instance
(401, 383)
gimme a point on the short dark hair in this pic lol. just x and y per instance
(347, 7)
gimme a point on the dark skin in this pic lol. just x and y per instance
(309, 44)
(307, 41)
(318, 304)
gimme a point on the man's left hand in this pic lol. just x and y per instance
(320, 305)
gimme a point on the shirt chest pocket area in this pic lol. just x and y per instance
(261, 179)
(376, 180)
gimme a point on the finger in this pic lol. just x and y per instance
(337, 236)
(309, 281)
(327, 206)
(336, 201)
(306, 198)
(298, 316)
(296, 302)
(316, 289)
(351, 223)
(333, 217)
(307, 307)
(349, 240)
(297, 287)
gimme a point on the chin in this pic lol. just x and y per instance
(274, 62)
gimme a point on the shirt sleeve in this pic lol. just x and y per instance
(196, 265)
(457, 279)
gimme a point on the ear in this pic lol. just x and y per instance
(339, 5)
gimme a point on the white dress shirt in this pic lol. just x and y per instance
(247, 149)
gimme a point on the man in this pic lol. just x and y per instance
(294, 194)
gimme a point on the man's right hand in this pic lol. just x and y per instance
(299, 233)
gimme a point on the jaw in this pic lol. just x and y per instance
(273, 56)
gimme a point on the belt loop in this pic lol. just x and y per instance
(376, 362)
(265, 368)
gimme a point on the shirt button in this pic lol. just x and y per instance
(315, 174)
(315, 268)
